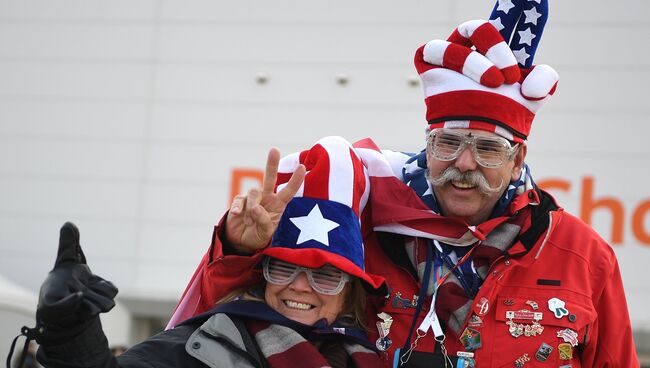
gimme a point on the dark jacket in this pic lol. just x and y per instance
(215, 342)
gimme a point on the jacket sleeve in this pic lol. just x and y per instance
(225, 270)
(610, 342)
(221, 272)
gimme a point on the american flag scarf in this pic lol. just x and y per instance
(410, 208)
(283, 347)
(399, 202)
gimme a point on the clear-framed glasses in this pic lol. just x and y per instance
(488, 151)
(327, 280)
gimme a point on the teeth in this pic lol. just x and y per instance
(462, 184)
(296, 305)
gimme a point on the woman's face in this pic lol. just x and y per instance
(299, 302)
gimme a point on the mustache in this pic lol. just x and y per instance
(475, 178)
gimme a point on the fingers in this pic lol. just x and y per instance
(463, 60)
(69, 248)
(238, 204)
(539, 83)
(489, 42)
(293, 185)
(492, 64)
(253, 199)
(99, 297)
(271, 171)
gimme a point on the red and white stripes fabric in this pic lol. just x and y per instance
(492, 64)
(343, 170)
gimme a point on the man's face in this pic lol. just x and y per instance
(463, 197)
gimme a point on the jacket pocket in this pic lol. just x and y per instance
(530, 330)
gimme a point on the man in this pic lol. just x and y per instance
(485, 269)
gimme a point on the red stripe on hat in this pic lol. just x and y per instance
(318, 172)
(282, 178)
(420, 65)
(474, 105)
(486, 36)
(455, 56)
(459, 39)
(359, 182)
(492, 77)
(511, 74)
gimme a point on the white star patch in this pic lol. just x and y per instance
(497, 23)
(505, 6)
(314, 227)
(531, 16)
(526, 37)
(521, 55)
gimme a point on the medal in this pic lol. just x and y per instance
(558, 307)
(518, 329)
(544, 352)
(383, 327)
(566, 351)
(471, 339)
(383, 343)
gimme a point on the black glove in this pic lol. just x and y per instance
(71, 295)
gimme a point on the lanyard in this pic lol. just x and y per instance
(423, 294)
(441, 278)
(430, 321)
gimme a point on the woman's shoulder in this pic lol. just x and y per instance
(202, 343)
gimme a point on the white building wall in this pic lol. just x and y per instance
(127, 117)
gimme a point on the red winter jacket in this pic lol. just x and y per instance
(568, 261)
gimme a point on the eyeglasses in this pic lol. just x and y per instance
(489, 152)
(327, 280)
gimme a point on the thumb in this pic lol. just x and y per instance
(69, 247)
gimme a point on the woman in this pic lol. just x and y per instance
(306, 308)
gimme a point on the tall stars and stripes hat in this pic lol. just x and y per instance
(321, 224)
(475, 80)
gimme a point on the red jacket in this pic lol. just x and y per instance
(569, 261)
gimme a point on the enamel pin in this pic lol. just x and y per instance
(544, 352)
(399, 302)
(558, 307)
(568, 335)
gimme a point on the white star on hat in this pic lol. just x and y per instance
(521, 55)
(505, 6)
(497, 23)
(531, 16)
(526, 37)
(314, 227)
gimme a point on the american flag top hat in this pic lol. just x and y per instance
(321, 224)
(477, 80)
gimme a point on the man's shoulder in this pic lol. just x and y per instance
(574, 235)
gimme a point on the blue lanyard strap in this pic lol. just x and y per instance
(463, 272)
(423, 293)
